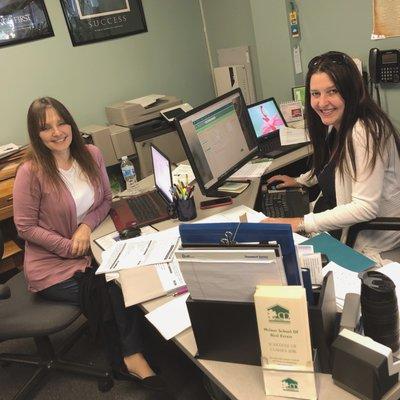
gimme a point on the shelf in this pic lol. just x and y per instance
(10, 249)
(12, 257)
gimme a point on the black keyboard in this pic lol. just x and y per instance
(285, 203)
(144, 208)
(271, 144)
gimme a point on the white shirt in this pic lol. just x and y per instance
(80, 188)
(374, 194)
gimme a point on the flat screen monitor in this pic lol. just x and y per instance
(266, 118)
(218, 139)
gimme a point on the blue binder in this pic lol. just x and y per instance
(232, 232)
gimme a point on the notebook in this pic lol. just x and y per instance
(267, 119)
(149, 207)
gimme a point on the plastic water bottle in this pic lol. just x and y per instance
(129, 173)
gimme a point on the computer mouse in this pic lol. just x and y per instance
(273, 185)
(130, 233)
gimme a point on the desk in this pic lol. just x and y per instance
(238, 381)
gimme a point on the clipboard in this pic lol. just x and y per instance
(248, 234)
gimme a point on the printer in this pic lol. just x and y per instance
(147, 126)
(114, 141)
(131, 112)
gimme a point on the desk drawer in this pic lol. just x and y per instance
(6, 212)
(6, 197)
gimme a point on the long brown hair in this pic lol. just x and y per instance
(343, 72)
(42, 158)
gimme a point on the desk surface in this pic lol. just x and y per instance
(238, 381)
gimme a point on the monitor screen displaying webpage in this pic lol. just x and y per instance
(162, 173)
(218, 138)
(266, 117)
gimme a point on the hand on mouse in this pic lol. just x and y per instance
(283, 181)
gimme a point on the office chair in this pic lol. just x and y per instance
(26, 315)
(377, 224)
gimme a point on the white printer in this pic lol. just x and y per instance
(132, 112)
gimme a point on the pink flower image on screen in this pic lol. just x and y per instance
(271, 123)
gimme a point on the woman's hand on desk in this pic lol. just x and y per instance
(296, 223)
(81, 240)
(283, 181)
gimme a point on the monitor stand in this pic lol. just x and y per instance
(220, 193)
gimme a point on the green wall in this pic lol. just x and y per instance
(341, 25)
(229, 24)
(171, 58)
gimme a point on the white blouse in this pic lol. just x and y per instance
(80, 188)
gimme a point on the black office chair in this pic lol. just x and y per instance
(26, 315)
(377, 224)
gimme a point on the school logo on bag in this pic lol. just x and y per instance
(290, 385)
(278, 313)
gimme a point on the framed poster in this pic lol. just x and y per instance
(95, 20)
(299, 94)
(23, 21)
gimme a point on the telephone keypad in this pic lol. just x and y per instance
(390, 74)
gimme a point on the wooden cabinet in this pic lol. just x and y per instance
(12, 256)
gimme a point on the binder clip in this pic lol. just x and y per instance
(228, 239)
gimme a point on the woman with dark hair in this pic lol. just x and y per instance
(356, 155)
(61, 193)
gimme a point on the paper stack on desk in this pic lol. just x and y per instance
(230, 274)
(253, 169)
(135, 253)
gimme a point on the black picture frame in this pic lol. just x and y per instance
(23, 21)
(109, 19)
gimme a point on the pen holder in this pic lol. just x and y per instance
(186, 209)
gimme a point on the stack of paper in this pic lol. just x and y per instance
(129, 254)
(252, 170)
(222, 274)
(7, 149)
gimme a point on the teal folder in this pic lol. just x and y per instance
(339, 253)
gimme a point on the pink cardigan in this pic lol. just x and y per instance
(47, 221)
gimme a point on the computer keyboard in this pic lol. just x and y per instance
(144, 208)
(285, 203)
(271, 144)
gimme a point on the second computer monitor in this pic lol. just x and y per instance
(266, 117)
(218, 139)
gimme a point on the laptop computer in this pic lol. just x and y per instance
(149, 207)
(267, 119)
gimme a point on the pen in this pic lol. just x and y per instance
(181, 291)
(259, 160)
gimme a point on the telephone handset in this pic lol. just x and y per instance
(384, 65)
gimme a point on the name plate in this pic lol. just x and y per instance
(282, 319)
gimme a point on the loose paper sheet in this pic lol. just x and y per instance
(345, 281)
(290, 136)
(171, 318)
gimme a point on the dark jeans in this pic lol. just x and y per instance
(128, 321)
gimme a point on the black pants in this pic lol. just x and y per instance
(128, 321)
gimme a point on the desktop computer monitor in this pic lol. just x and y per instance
(218, 139)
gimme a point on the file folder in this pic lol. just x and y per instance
(338, 252)
(228, 234)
